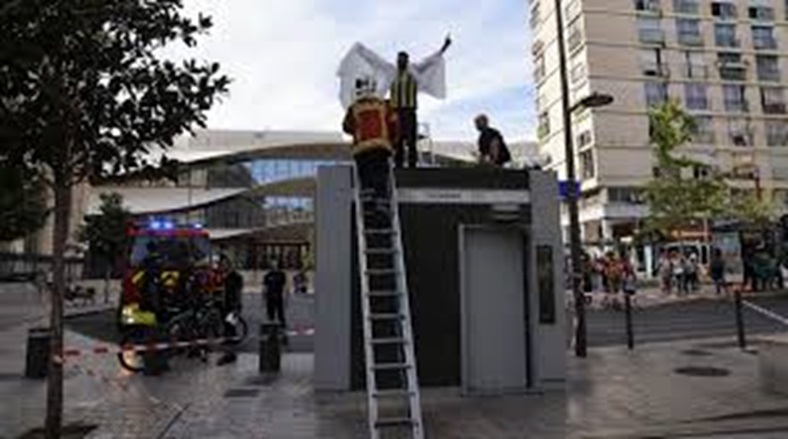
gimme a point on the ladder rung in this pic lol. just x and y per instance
(391, 366)
(386, 316)
(379, 231)
(380, 251)
(384, 294)
(390, 340)
(381, 271)
(394, 422)
(393, 393)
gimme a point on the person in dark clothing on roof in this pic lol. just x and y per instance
(492, 148)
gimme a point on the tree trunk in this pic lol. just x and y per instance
(107, 270)
(54, 413)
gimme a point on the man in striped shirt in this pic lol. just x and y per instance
(402, 81)
(403, 97)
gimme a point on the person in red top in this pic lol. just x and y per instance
(373, 124)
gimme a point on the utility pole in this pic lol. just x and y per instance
(571, 194)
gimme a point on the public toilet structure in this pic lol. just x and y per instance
(485, 274)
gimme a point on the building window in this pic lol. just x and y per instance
(772, 100)
(725, 35)
(651, 63)
(649, 30)
(584, 139)
(539, 68)
(647, 5)
(731, 66)
(703, 130)
(572, 10)
(776, 133)
(686, 7)
(763, 37)
(574, 35)
(535, 14)
(740, 132)
(587, 168)
(723, 9)
(578, 72)
(656, 93)
(695, 65)
(540, 102)
(689, 31)
(761, 13)
(696, 96)
(768, 67)
(700, 172)
(631, 195)
(544, 125)
(734, 97)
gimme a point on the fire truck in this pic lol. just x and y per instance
(177, 251)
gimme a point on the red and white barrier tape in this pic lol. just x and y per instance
(163, 346)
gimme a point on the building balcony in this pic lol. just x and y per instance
(699, 71)
(686, 7)
(652, 6)
(771, 75)
(704, 137)
(742, 138)
(727, 42)
(774, 108)
(737, 106)
(655, 69)
(651, 36)
(691, 39)
(765, 43)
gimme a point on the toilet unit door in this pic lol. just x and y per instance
(494, 310)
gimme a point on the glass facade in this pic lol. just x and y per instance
(272, 171)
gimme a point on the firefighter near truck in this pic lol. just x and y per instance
(173, 296)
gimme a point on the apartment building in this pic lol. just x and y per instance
(724, 60)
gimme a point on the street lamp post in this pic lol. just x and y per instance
(594, 100)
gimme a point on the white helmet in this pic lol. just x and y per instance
(365, 86)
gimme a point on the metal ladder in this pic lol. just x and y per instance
(393, 399)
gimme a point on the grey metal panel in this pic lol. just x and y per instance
(549, 340)
(333, 278)
(493, 328)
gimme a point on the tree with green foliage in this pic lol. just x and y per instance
(105, 234)
(85, 92)
(23, 203)
(676, 198)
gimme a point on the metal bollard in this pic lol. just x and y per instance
(270, 351)
(739, 319)
(37, 355)
(154, 363)
(628, 315)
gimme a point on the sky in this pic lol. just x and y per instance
(282, 57)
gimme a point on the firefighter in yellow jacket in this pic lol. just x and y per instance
(373, 124)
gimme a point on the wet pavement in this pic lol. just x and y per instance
(614, 393)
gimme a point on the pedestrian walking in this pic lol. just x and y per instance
(692, 273)
(679, 267)
(717, 271)
(665, 272)
(273, 289)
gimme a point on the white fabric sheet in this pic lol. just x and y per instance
(360, 62)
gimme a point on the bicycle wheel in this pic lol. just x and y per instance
(129, 359)
(179, 331)
(240, 328)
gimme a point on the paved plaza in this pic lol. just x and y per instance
(613, 393)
